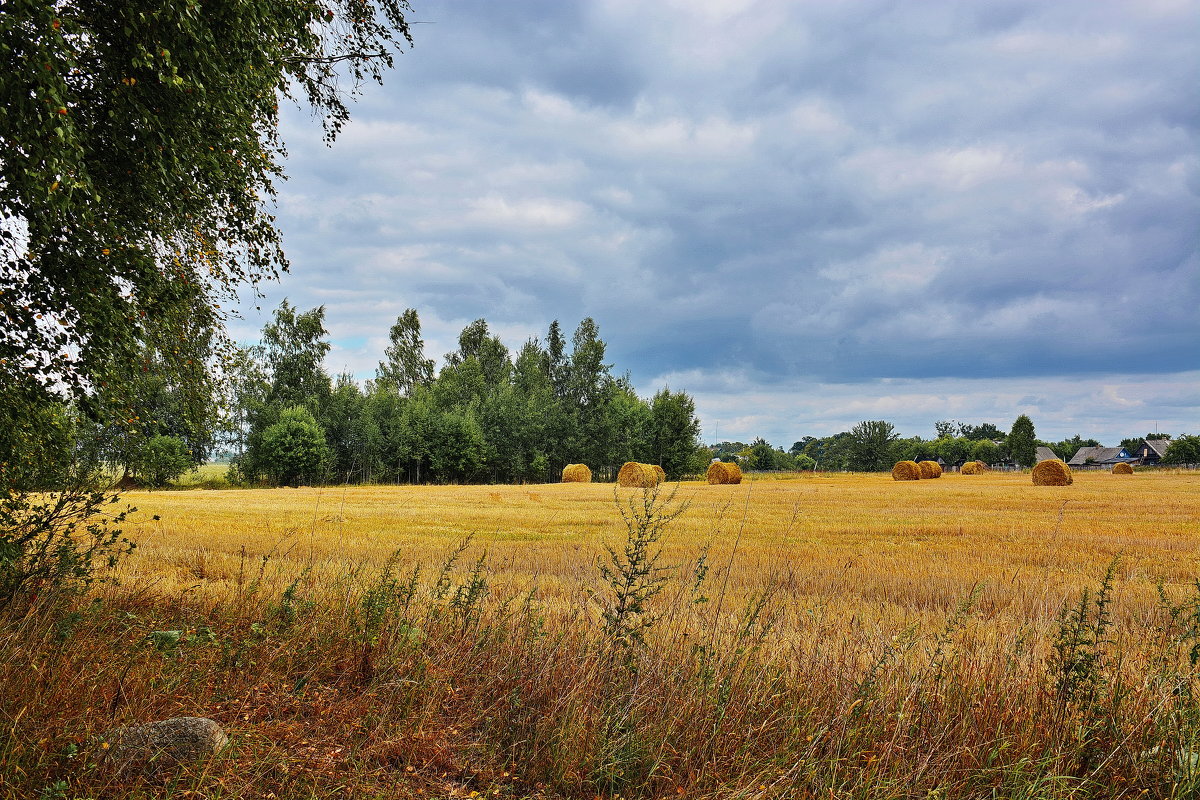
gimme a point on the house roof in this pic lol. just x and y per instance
(1098, 455)
(1158, 445)
(1045, 454)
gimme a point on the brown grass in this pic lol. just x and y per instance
(906, 471)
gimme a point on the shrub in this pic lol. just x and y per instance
(723, 472)
(1052, 473)
(576, 473)
(162, 460)
(57, 541)
(1122, 469)
(930, 469)
(906, 471)
(294, 448)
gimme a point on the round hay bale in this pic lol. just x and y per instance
(906, 471)
(662, 473)
(1122, 469)
(930, 469)
(983, 467)
(722, 472)
(637, 475)
(1052, 473)
(970, 468)
(576, 473)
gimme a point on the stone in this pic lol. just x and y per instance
(168, 742)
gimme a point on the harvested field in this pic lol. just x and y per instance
(811, 635)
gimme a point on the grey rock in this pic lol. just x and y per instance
(164, 743)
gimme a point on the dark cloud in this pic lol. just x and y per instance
(801, 194)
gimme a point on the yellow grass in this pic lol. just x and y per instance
(860, 547)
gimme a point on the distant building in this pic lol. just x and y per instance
(1046, 454)
(1150, 451)
(1100, 457)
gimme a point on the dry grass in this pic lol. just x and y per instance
(840, 536)
(851, 638)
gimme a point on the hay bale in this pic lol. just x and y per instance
(638, 476)
(930, 469)
(1122, 469)
(983, 467)
(1052, 473)
(906, 471)
(576, 473)
(662, 473)
(971, 468)
(721, 472)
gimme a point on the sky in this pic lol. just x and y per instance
(804, 215)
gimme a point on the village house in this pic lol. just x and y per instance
(1100, 457)
(1046, 454)
(1150, 451)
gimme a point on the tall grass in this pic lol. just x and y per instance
(664, 671)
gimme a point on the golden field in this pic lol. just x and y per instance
(817, 636)
(858, 546)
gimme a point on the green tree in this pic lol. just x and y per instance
(1022, 442)
(871, 446)
(294, 449)
(162, 459)
(286, 372)
(1184, 450)
(985, 430)
(1068, 447)
(985, 450)
(953, 449)
(406, 366)
(293, 349)
(456, 447)
(675, 434)
(140, 150)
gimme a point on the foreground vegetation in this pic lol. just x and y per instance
(823, 636)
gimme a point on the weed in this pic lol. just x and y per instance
(634, 574)
(58, 542)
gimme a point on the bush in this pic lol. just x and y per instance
(294, 449)
(57, 541)
(162, 460)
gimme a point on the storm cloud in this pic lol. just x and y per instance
(804, 214)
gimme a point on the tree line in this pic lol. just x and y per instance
(488, 415)
(874, 446)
